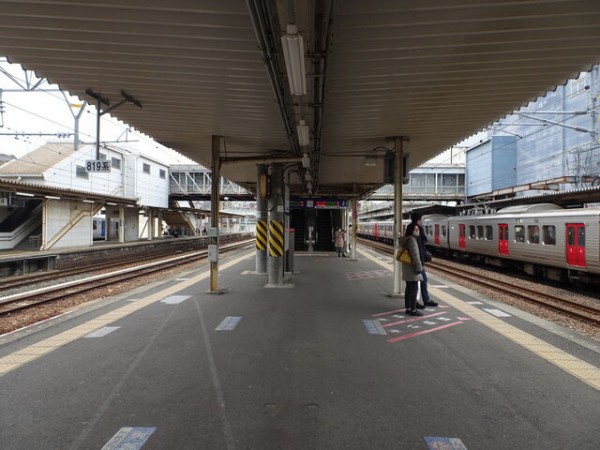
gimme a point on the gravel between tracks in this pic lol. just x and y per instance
(22, 319)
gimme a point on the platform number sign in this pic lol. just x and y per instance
(97, 165)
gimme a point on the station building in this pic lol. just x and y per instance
(50, 200)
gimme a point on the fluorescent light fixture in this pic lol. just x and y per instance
(25, 194)
(111, 204)
(303, 137)
(308, 176)
(293, 53)
(85, 200)
(52, 197)
(309, 186)
(370, 161)
(306, 161)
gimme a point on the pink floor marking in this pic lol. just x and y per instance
(418, 333)
(413, 320)
(386, 313)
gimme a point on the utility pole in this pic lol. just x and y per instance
(100, 100)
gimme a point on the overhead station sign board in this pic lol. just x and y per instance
(97, 165)
(318, 203)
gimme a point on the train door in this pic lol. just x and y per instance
(576, 244)
(462, 243)
(503, 238)
(437, 234)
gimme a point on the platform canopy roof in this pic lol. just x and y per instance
(429, 73)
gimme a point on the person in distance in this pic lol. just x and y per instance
(340, 241)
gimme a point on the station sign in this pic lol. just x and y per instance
(97, 165)
(318, 203)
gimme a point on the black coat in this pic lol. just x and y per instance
(421, 241)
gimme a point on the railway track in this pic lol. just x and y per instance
(34, 298)
(558, 304)
(10, 283)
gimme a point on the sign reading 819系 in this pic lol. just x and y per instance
(96, 165)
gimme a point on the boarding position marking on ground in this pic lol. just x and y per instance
(406, 327)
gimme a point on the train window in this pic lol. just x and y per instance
(479, 231)
(489, 232)
(519, 233)
(581, 236)
(471, 231)
(533, 234)
(146, 168)
(444, 231)
(548, 235)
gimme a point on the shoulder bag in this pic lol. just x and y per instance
(403, 256)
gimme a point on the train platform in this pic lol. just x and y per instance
(328, 361)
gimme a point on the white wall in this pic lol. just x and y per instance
(151, 189)
(129, 180)
(74, 216)
(64, 174)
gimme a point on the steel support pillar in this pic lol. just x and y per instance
(354, 205)
(214, 215)
(121, 228)
(398, 181)
(262, 228)
(276, 227)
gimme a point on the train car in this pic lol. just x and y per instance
(382, 231)
(544, 240)
(98, 228)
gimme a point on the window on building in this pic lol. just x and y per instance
(447, 183)
(162, 173)
(489, 233)
(116, 163)
(471, 231)
(548, 235)
(146, 168)
(533, 234)
(417, 180)
(80, 172)
(519, 233)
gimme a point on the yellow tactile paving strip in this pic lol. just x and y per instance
(16, 359)
(585, 372)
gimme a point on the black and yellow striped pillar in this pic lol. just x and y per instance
(261, 235)
(275, 238)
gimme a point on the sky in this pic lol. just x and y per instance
(46, 110)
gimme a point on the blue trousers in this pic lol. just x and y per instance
(424, 291)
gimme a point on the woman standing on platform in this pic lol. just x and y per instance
(340, 241)
(411, 273)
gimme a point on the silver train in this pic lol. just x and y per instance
(543, 240)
